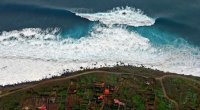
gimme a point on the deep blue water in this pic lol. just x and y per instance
(172, 16)
(16, 17)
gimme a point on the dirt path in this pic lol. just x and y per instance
(166, 96)
(60, 79)
(178, 76)
(163, 87)
(89, 72)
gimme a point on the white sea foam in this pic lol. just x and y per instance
(101, 41)
(102, 45)
(128, 16)
(32, 54)
(15, 70)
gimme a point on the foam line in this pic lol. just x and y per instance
(127, 16)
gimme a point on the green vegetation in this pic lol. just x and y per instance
(162, 102)
(138, 102)
(183, 91)
(136, 88)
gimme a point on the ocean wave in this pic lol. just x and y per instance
(108, 44)
(20, 16)
(128, 16)
(95, 46)
(105, 43)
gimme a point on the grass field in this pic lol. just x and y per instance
(117, 88)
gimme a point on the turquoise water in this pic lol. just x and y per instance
(163, 35)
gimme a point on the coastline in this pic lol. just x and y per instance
(15, 70)
(116, 69)
(140, 74)
(18, 70)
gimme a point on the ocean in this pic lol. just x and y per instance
(67, 34)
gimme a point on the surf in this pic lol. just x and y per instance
(106, 43)
(124, 15)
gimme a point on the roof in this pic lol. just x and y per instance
(106, 91)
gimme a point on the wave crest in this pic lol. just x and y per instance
(127, 16)
(104, 44)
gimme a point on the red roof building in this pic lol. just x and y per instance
(101, 97)
(43, 107)
(107, 92)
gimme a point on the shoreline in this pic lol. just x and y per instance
(19, 86)
(116, 69)
(14, 71)
(144, 74)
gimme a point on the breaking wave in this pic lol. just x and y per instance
(128, 16)
(111, 44)
(104, 43)
(100, 44)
